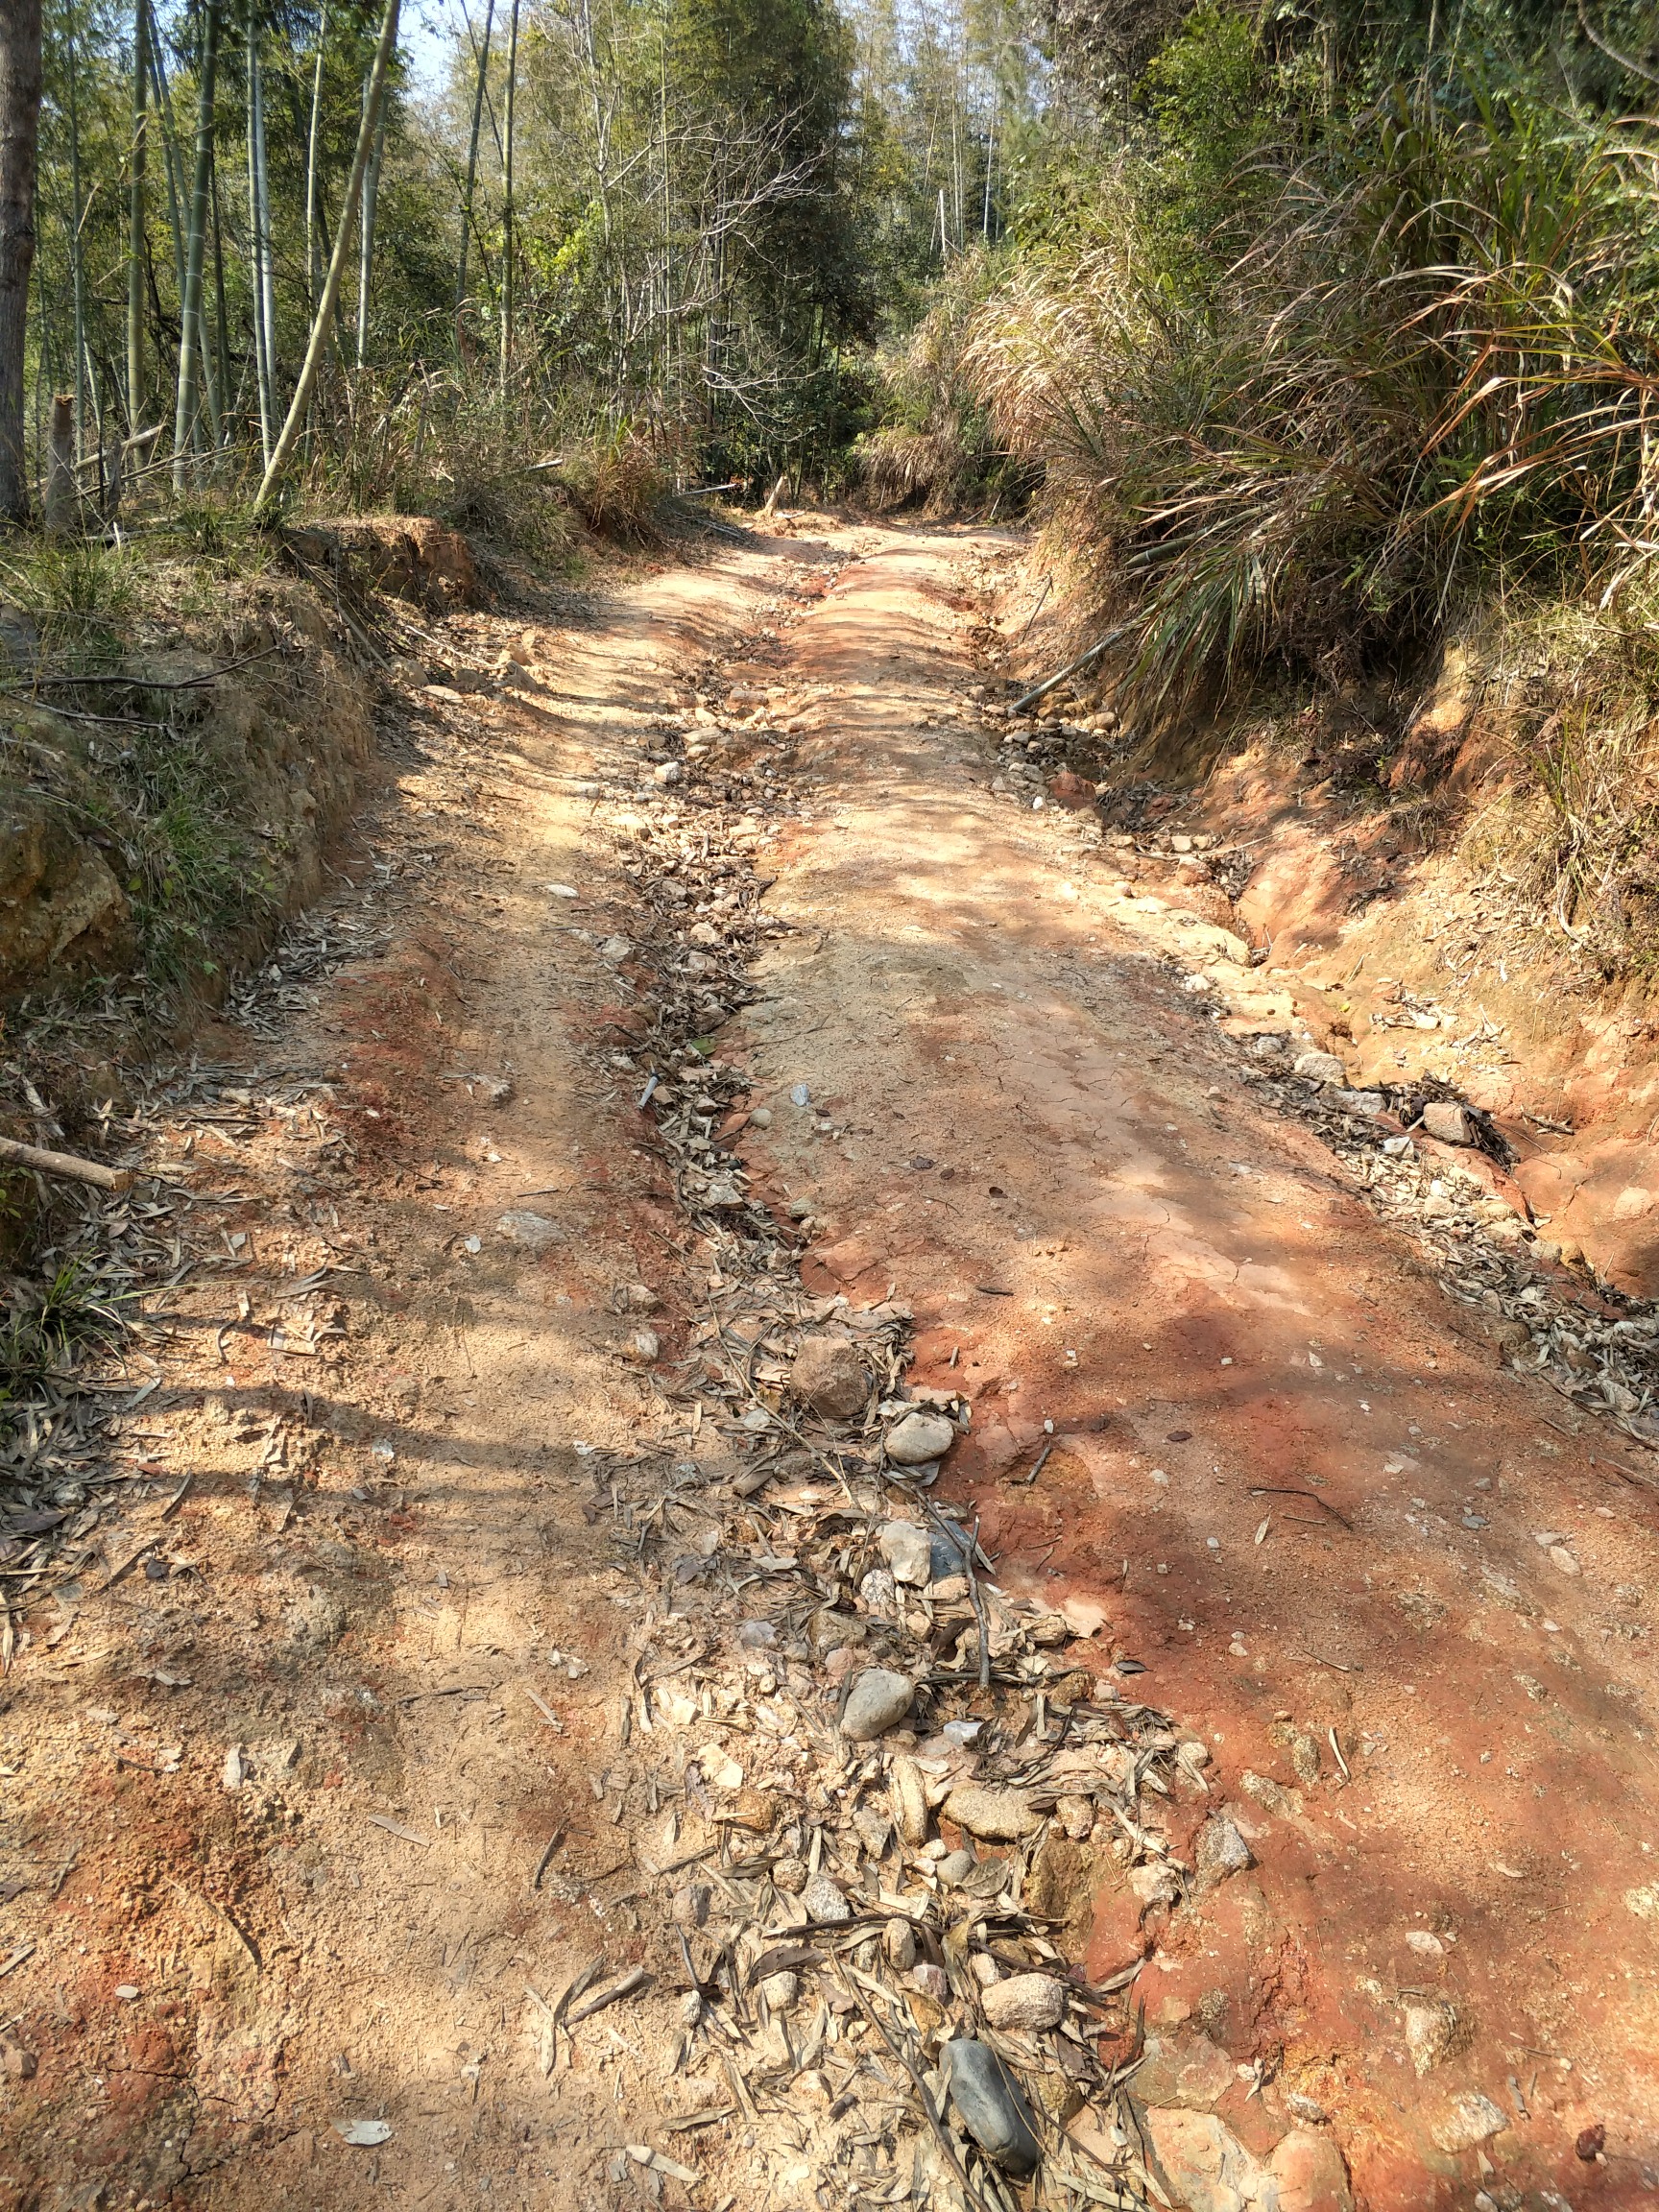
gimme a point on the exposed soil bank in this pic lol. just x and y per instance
(1409, 949)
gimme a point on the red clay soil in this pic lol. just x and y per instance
(1404, 1595)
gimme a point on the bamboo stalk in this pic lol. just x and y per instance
(472, 165)
(187, 410)
(323, 320)
(67, 1164)
(136, 225)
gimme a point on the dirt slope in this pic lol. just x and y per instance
(320, 1783)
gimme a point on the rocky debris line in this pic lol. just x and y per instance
(878, 1764)
(1595, 1347)
(875, 1775)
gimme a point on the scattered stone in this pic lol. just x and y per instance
(825, 1902)
(954, 1868)
(780, 1991)
(1189, 2071)
(930, 1981)
(919, 1437)
(1321, 1068)
(690, 1905)
(1467, 2119)
(1310, 2172)
(1435, 2030)
(991, 2105)
(1270, 1045)
(879, 1594)
(898, 1945)
(829, 1376)
(1000, 1815)
(1367, 1102)
(908, 1551)
(1024, 2002)
(642, 1347)
(1076, 1817)
(907, 1795)
(534, 1231)
(1448, 1122)
(878, 1701)
(1203, 2165)
(789, 1874)
(1222, 1850)
(668, 772)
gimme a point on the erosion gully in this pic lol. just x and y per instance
(455, 1781)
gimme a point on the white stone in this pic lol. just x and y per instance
(919, 1437)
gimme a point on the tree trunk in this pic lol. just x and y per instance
(184, 414)
(313, 184)
(472, 168)
(366, 231)
(259, 248)
(507, 252)
(137, 218)
(20, 124)
(323, 320)
(77, 217)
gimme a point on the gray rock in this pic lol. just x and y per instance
(879, 1593)
(1367, 1102)
(1321, 1068)
(955, 1867)
(668, 772)
(918, 1438)
(1027, 2002)
(908, 1550)
(1001, 1815)
(825, 1902)
(1222, 1850)
(1449, 1122)
(991, 2105)
(931, 1982)
(898, 1945)
(1270, 1045)
(829, 1376)
(878, 1701)
(781, 1991)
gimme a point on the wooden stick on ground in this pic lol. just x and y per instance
(66, 1164)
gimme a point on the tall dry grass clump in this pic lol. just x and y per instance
(1434, 363)
(937, 452)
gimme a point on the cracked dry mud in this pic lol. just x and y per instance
(443, 1799)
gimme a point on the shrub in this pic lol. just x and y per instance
(1432, 365)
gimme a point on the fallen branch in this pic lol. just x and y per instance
(66, 1164)
(1042, 691)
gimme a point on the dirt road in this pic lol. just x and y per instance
(399, 1703)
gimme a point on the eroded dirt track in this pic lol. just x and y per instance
(312, 1820)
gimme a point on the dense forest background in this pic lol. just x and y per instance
(1302, 320)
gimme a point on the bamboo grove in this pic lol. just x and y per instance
(273, 246)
